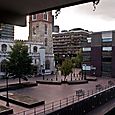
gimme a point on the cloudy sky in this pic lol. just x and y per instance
(82, 16)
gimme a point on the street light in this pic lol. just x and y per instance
(7, 99)
(84, 70)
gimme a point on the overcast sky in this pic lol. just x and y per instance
(81, 16)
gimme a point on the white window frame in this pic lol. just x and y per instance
(33, 19)
(86, 49)
(45, 13)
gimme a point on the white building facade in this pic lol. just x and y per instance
(34, 52)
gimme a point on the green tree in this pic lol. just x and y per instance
(66, 68)
(19, 62)
(78, 59)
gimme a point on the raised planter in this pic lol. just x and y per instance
(17, 86)
(49, 82)
(62, 82)
(91, 78)
(77, 82)
(5, 110)
(22, 100)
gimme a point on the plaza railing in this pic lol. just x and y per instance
(59, 104)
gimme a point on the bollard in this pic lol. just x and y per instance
(66, 101)
(24, 113)
(60, 103)
(34, 111)
(44, 108)
(92, 92)
(52, 105)
(88, 93)
(73, 99)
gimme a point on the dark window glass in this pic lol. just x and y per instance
(4, 47)
(35, 49)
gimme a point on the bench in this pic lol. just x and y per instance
(110, 83)
(99, 87)
(80, 92)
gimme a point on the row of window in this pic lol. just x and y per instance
(45, 16)
(103, 49)
(4, 48)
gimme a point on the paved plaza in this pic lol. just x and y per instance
(51, 93)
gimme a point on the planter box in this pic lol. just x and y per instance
(77, 82)
(91, 78)
(5, 110)
(49, 82)
(22, 100)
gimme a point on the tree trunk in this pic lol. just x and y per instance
(64, 78)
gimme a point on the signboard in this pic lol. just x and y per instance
(86, 67)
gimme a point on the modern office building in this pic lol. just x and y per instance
(68, 43)
(6, 31)
(99, 54)
(40, 30)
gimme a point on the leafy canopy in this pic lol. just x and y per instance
(66, 67)
(19, 61)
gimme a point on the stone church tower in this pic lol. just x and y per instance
(40, 29)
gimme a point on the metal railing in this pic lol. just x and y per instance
(53, 106)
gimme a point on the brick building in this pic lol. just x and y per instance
(40, 30)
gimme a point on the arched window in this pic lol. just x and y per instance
(34, 17)
(46, 29)
(35, 49)
(4, 47)
(46, 41)
(45, 15)
(47, 64)
(3, 66)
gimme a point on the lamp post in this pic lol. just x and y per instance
(7, 102)
(56, 73)
(43, 71)
(85, 72)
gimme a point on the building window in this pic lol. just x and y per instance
(107, 49)
(4, 47)
(89, 40)
(47, 64)
(3, 66)
(35, 61)
(106, 39)
(34, 17)
(106, 67)
(86, 49)
(107, 59)
(35, 49)
(46, 41)
(86, 58)
(46, 29)
(45, 15)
